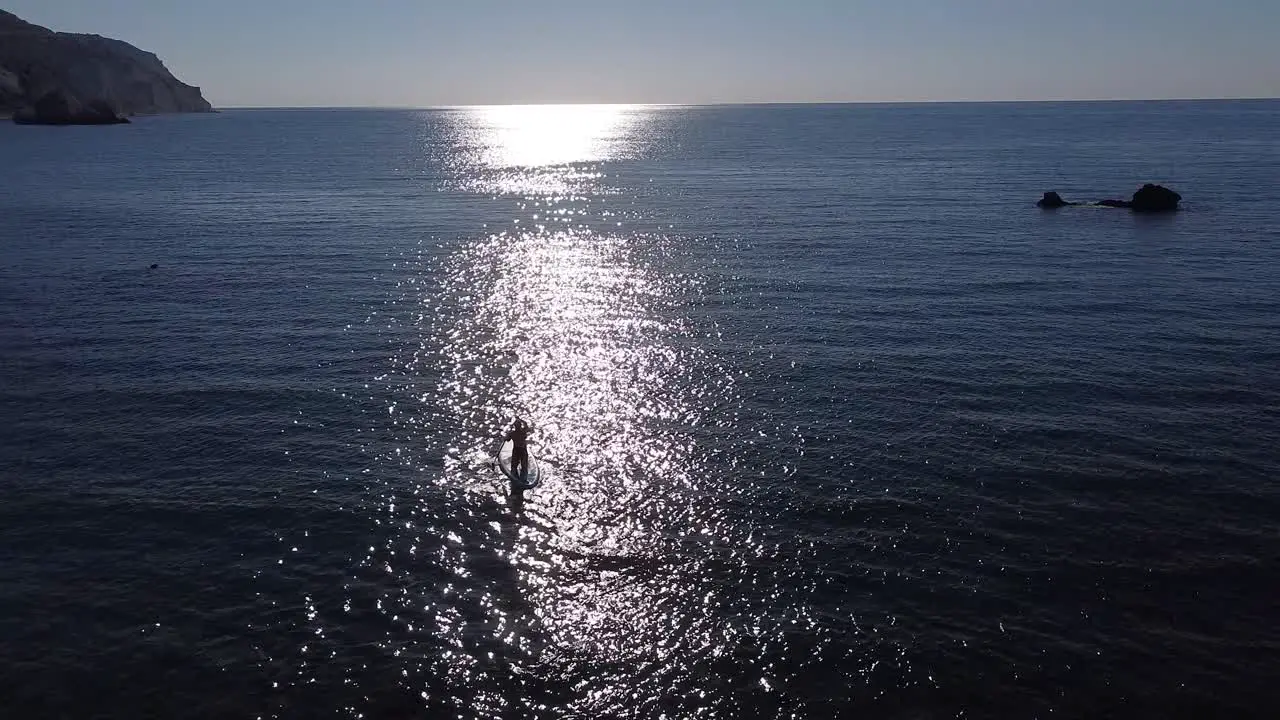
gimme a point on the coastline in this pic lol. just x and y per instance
(7, 116)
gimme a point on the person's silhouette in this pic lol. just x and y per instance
(519, 437)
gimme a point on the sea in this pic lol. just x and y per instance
(835, 422)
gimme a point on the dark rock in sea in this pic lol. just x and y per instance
(55, 108)
(1155, 198)
(1114, 203)
(1052, 200)
(46, 74)
(1148, 199)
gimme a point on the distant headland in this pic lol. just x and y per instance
(54, 78)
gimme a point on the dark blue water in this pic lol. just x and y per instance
(836, 422)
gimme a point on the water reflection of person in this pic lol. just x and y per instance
(519, 437)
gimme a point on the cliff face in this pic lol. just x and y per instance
(35, 61)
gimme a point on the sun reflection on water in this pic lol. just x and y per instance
(608, 587)
(541, 150)
(539, 135)
(594, 353)
(581, 330)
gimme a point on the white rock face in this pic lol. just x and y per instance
(35, 61)
(10, 85)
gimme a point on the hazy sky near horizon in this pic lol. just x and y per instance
(425, 53)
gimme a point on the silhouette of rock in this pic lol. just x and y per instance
(1115, 203)
(56, 108)
(1155, 198)
(85, 70)
(1148, 199)
(1052, 200)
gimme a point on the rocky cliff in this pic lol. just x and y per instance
(86, 70)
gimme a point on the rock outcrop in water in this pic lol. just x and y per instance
(57, 78)
(1155, 198)
(1052, 200)
(1148, 199)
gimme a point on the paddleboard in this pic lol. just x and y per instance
(530, 479)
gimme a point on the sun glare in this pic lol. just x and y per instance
(542, 135)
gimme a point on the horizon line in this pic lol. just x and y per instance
(752, 103)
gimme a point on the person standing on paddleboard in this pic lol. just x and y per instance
(519, 437)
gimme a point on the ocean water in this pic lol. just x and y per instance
(836, 423)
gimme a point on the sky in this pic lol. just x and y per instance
(425, 53)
